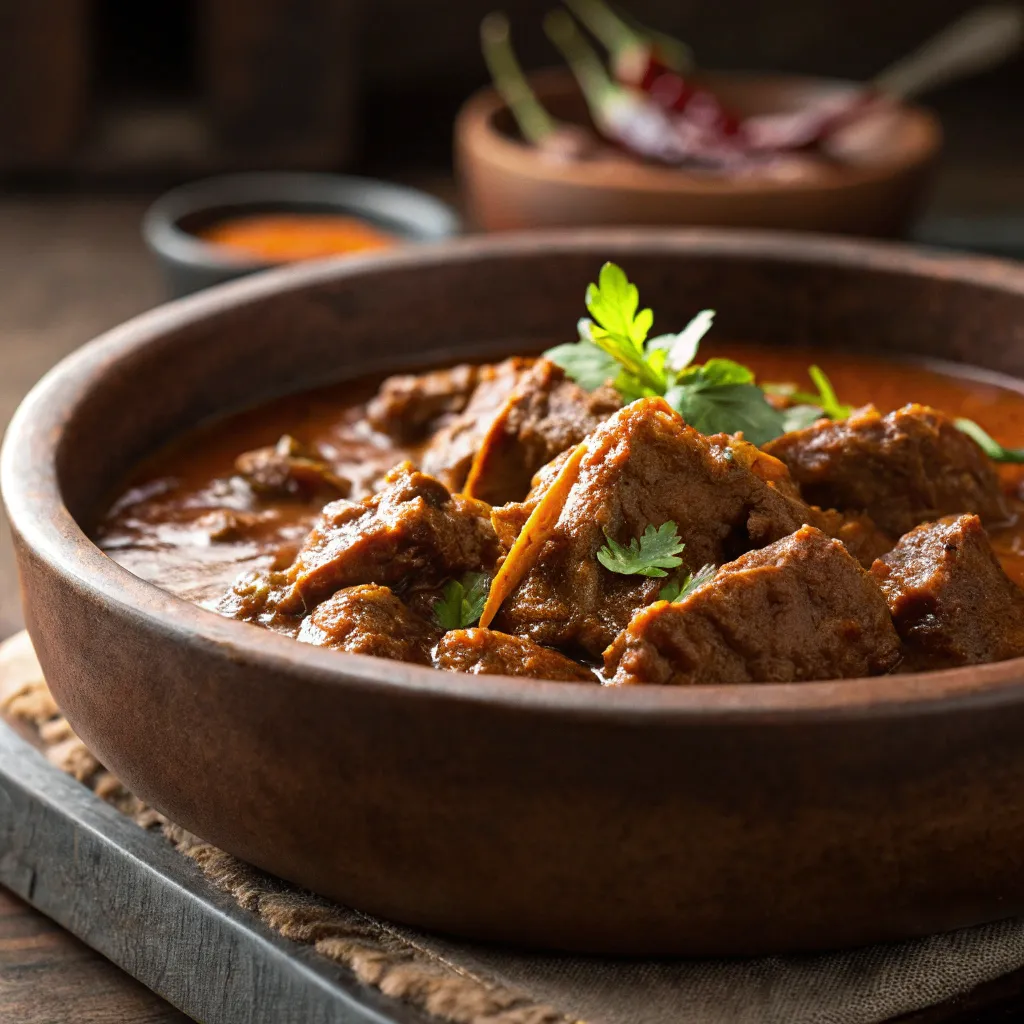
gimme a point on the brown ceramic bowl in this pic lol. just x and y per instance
(509, 185)
(646, 820)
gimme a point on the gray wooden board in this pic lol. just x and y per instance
(130, 895)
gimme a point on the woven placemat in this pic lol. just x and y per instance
(469, 984)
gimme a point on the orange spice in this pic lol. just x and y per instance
(283, 237)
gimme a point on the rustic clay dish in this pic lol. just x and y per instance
(508, 184)
(647, 820)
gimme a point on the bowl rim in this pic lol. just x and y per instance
(477, 138)
(41, 520)
(164, 237)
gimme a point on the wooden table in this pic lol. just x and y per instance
(72, 268)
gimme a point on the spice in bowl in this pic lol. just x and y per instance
(650, 103)
(286, 237)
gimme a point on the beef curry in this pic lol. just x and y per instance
(611, 512)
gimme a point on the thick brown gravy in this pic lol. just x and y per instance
(163, 525)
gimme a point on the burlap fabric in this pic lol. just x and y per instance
(474, 985)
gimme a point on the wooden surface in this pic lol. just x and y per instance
(71, 268)
(47, 976)
(128, 893)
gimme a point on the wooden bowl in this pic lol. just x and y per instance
(509, 185)
(645, 820)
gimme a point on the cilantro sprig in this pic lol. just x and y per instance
(719, 396)
(680, 589)
(652, 554)
(988, 444)
(810, 406)
(462, 601)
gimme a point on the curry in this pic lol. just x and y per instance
(613, 512)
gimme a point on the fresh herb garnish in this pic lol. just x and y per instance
(799, 417)
(462, 601)
(585, 363)
(652, 554)
(679, 590)
(719, 396)
(808, 407)
(988, 444)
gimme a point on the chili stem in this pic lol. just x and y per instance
(594, 81)
(673, 52)
(613, 32)
(534, 122)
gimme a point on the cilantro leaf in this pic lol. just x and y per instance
(988, 444)
(719, 396)
(679, 590)
(717, 373)
(619, 329)
(462, 601)
(799, 417)
(613, 303)
(584, 363)
(681, 349)
(810, 406)
(715, 408)
(656, 550)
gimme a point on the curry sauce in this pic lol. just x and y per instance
(216, 508)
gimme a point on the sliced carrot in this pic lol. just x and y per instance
(537, 530)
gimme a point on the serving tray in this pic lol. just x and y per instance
(130, 895)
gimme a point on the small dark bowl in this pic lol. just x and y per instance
(642, 820)
(190, 263)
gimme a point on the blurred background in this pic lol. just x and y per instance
(116, 93)
(104, 104)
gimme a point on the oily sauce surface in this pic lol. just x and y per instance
(171, 523)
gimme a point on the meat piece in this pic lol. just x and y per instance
(908, 467)
(487, 652)
(545, 415)
(370, 619)
(799, 609)
(510, 518)
(414, 532)
(643, 466)
(226, 526)
(857, 531)
(449, 453)
(949, 597)
(290, 470)
(408, 407)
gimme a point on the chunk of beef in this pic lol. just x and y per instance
(643, 466)
(510, 518)
(413, 534)
(488, 652)
(799, 609)
(902, 469)
(408, 407)
(290, 470)
(862, 538)
(449, 453)
(545, 415)
(949, 597)
(370, 619)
